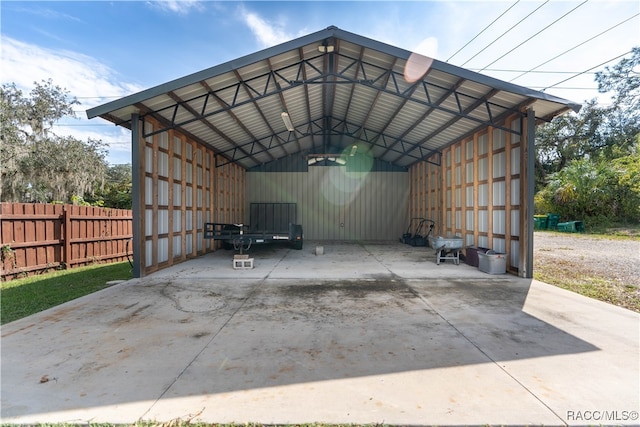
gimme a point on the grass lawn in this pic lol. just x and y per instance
(22, 297)
(564, 275)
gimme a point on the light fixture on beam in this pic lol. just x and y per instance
(326, 48)
(287, 121)
(312, 159)
(353, 150)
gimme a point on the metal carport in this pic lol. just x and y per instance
(464, 141)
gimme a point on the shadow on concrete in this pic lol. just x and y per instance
(202, 328)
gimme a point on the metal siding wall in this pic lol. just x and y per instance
(181, 189)
(334, 204)
(477, 191)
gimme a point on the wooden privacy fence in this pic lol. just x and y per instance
(38, 237)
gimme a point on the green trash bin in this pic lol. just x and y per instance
(553, 221)
(566, 227)
(571, 227)
(540, 222)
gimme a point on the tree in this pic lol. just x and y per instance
(65, 167)
(588, 164)
(36, 164)
(595, 190)
(627, 175)
(623, 117)
(567, 138)
(118, 187)
(596, 131)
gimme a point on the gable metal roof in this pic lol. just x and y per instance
(339, 90)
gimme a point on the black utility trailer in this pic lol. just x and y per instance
(269, 223)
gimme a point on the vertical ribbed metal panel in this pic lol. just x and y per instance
(334, 204)
(480, 194)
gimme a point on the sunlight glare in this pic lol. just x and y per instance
(416, 67)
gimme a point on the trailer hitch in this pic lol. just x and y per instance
(242, 244)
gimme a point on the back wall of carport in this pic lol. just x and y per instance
(337, 202)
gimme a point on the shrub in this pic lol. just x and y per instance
(600, 192)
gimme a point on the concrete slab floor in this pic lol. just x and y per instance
(368, 333)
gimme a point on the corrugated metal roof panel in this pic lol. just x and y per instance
(358, 90)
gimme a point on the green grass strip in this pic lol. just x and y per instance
(22, 297)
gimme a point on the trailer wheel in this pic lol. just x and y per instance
(298, 238)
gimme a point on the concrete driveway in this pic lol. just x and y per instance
(366, 333)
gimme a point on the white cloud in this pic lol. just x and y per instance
(428, 47)
(46, 12)
(86, 78)
(117, 138)
(181, 7)
(83, 76)
(267, 33)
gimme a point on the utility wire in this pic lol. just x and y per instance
(523, 71)
(483, 30)
(99, 97)
(584, 72)
(540, 88)
(575, 47)
(505, 33)
(535, 35)
(81, 124)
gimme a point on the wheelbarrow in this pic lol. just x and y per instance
(446, 248)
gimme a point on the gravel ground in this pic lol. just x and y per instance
(613, 259)
(602, 268)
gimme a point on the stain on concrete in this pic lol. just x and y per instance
(130, 317)
(200, 335)
(193, 300)
(351, 289)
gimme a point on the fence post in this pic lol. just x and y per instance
(66, 256)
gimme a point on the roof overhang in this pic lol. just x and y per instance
(338, 89)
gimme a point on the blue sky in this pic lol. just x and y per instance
(101, 51)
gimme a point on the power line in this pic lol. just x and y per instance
(483, 30)
(575, 47)
(498, 70)
(506, 32)
(536, 34)
(98, 97)
(592, 68)
(81, 124)
(564, 88)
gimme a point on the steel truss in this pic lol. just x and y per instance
(316, 70)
